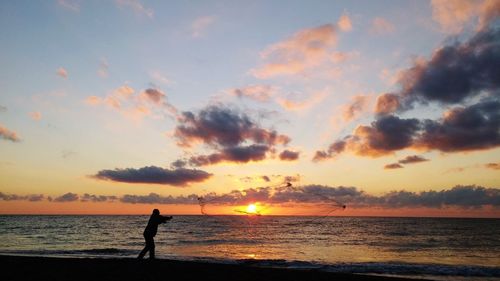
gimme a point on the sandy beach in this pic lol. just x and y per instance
(44, 268)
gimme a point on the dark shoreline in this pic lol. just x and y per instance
(49, 268)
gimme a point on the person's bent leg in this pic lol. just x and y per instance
(145, 250)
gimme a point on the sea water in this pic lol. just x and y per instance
(437, 248)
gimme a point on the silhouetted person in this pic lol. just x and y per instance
(150, 232)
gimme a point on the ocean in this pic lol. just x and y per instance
(436, 248)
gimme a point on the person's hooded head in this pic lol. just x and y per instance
(156, 212)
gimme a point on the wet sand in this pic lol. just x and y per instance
(87, 269)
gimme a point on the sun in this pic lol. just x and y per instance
(251, 209)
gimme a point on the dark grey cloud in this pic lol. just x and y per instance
(466, 197)
(154, 198)
(231, 134)
(154, 175)
(289, 155)
(461, 196)
(15, 197)
(384, 136)
(469, 196)
(393, 166)
(221, 126)
(464, 128)
(412, 159)
(3, 108)
(97, 198)
(333, 150)
(456, 72)
(67, 197)
(265, 178)
(469, 128)
(237, 154)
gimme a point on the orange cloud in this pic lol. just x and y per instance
(387, 103)
(298, 102)
(305, 49)
(452, 16)
(62, 72)
(35, 115)
(381, 26)
(200, 24)
(345, 23)
(358, 105)
(8, 134)
(135, 106)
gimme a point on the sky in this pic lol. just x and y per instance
(390, 108)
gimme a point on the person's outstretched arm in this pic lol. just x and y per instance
(166, 218)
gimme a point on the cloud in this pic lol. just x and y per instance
(357, 105)
(463, 129)
(393, 166)
(3, 108)
(103, 68)
(35, 115)
(136, 6)
(475, 127)
(160, 78)
(136, 105)
(288, 155)
(381, 26)
(97, 198)
(300, 102)
(304, 50)
(464, 197)
(387, 103)
(154, 198)
(15, 197)
(460, 196)
(333, 150)
(154, 175)
(456, 72)
(62, 72)
(260, 93)
(70, 5)
(411, 159)
(67, 197)
(345, 23)
(7, 134)
(493, 166)
(220, 126)
(453, 16)
(199, 25)
(65, 154)
(237, 154)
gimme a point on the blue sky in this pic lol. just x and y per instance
(64, 63)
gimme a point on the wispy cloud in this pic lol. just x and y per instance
(35, 115)
(73, 5)
(201, 24)
(7, 134)
(381, 26)
(136, 6)
(61, 71)
(103, 68)
(345, 23)
(136, 105)
(304, 50)
(453, 16)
